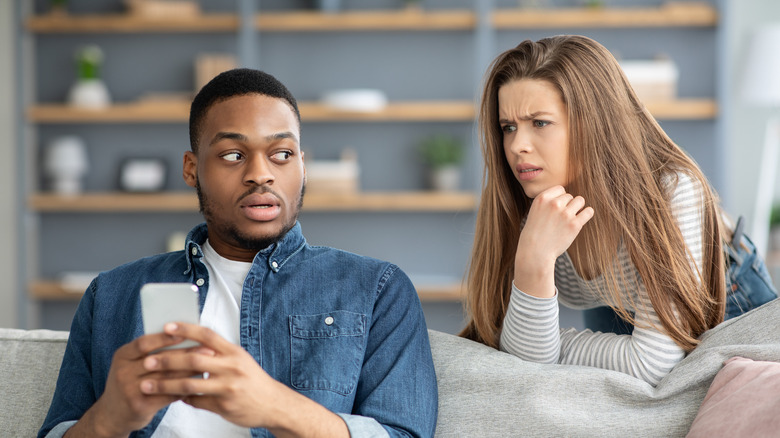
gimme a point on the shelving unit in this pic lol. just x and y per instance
(670, 15)
(321, 202)
(403, 113)
(178, 111)
(676, 14)
(53, 290)
(125, 23)
(454, 111)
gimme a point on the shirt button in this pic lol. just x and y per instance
(329, 320)
(200, 282)
(194, 251)
(274, 265)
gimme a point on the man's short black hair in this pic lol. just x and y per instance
(236, 82)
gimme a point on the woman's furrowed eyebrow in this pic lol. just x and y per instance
(531, 116)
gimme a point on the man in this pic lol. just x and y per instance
(295, 340)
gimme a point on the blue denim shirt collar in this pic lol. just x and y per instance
(276, 255)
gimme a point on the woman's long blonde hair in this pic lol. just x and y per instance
(624, 161)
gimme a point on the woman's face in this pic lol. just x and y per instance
(535, 127)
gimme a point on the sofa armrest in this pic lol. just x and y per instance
(29, 364)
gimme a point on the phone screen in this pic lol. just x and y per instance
(162, 303)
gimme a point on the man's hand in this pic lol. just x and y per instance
(123, 408)
(236, 387)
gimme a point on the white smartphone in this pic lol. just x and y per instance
(162, 303)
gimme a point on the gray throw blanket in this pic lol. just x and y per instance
(486, 393)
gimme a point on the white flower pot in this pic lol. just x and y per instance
(445, 179)
(89, 93)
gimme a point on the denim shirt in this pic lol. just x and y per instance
(370, 362)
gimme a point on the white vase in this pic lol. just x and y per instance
(89, 93)
(65, 164)
(445, 178)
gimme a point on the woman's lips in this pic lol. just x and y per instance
(527, 172)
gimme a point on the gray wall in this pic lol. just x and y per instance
(8, 165)
(744, 124)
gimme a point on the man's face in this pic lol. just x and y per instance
(249, 173)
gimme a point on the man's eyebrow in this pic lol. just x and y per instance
(241, 137)
(282, 136)
(228, 136)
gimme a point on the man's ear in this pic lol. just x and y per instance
(190, 168)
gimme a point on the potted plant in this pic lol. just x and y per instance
(443, 155)
(774, 228)
(89, 91)
(58, 7)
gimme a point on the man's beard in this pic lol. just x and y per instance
(231, 230)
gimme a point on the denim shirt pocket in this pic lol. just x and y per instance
(326, 350)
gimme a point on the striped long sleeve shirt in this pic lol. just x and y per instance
(531, 329)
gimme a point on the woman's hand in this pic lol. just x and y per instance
(554, 221)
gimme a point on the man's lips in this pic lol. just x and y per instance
(261, 207)
(259, 200)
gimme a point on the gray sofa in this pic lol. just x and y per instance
(482, 392)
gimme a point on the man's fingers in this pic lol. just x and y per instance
(145, 344)
(204, 336)
(179, 361)
(179, 388)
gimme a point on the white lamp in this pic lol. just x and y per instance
(762, 88)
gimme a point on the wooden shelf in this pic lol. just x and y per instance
(441, 111)
(397, 20)
(683, 109)
(126, 23)
(53, 291)
(672, 14)
(313, 202)
(133, 112)
(175, 112)
(443, 293)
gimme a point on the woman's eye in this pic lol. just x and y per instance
(509, 128)
(232, 156)
(540, 123)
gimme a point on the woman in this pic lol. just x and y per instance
(587, 201)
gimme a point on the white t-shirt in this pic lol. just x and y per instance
(221, 313)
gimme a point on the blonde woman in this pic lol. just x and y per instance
(588, 202)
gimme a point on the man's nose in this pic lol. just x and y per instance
(258, 171)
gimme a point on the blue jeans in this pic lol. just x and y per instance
(748, 285)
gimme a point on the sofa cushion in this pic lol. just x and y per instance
(30, 362)
(487, 393)
(743, 400)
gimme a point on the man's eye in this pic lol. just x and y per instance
(509, 128)
(540, 123)
(282, 156)
(232, 156)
